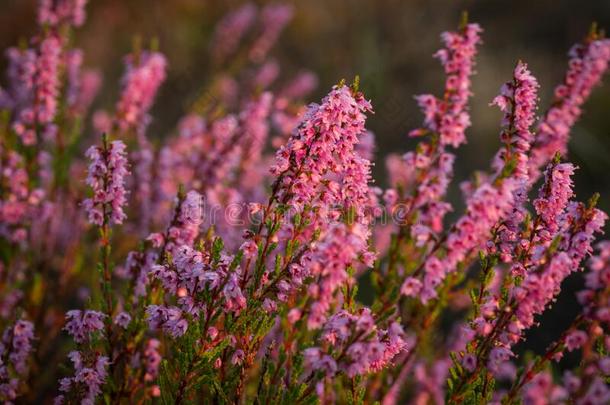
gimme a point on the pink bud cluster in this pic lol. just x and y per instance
(106, 176)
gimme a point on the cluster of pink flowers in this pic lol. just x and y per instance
(517, 100)
(57, 12)
(15, 349)
(43, 89)
(145, 71)
(86, 384)
(354, 345)
(588, 62)
(244, 239)
(82, 324)
(231, 29)
(106, 176)
(449, 116)
(487, 206)
(274, 17)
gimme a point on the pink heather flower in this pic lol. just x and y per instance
(449, 116)
(230, 31)
(81, 324)
(294, 315)
(238, 357)
(56, 12)
(274, 17)
(143, 76)
(152, 359)
(518, 102)
(269, 305)
(106, 176)
(469, 362)
(234, 298)
(575, 340)
(411, 287)
(588, 62)
(122, 319)
(249, 248)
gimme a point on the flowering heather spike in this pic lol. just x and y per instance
(20, 76)
(144, 74)
(83, 85)
(518, 102)
(106, 176)
(320, 167)
(89, 377)
(554, 196)
(274, 17)
(597, 307)
(56, 12)
(230, 30)
(14, 351)
(588, 63)
(449, 116)
(41, 106)
(485, 208)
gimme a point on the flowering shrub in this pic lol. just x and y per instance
(202, 268)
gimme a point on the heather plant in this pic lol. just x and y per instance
(221, 263)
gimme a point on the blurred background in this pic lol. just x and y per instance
(389, 43)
